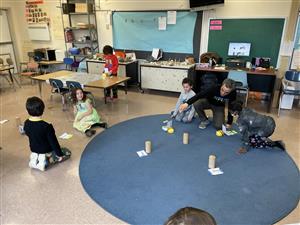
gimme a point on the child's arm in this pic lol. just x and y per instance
(179, 102)
(75, 109)
(53, 141)
(88, 112)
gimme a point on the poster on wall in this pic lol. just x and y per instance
(34, 12)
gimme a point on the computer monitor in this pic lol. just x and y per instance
(239, 49)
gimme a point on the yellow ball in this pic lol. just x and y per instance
(219, 133)
(171, 130)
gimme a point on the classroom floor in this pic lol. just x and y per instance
(57, 196)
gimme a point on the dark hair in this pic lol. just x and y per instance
(107, 49)
(229, 83)
(73, 95)
(35, 106)
(236, 106)
(191, 216)
(187, 81)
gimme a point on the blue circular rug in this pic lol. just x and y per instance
(260, 187)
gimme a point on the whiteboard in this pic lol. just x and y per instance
(4, 34)
(39, 32)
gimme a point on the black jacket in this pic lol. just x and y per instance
(213, 96)
(42, 137)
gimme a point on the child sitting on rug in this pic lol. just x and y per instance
(85, 115)
(255, 128)
(42, 140)
(191, 216)
(187, 115)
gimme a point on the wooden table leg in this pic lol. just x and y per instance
(126, 87)
(104, 95)
(40, 87)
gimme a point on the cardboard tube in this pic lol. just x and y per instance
(185, 138)
(148, 147)
(212, 162)
(18, 121)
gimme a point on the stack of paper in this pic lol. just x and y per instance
(215, 171)
(66, 136)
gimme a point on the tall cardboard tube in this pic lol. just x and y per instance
(148, 147)
(185, 138)
(212, 162)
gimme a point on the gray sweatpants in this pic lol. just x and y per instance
(218, 112)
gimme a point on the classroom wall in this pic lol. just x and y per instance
(232, 9)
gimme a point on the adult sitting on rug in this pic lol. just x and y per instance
(191, 216)
(213, 98)
(255, 128)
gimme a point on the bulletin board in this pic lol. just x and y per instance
(264, 35)
(139, 31)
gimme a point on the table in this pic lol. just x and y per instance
(258, 80)
(12, 78)
(92, 81)
(49, 64)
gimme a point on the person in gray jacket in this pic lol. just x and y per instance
(255, 128)
(187, 115)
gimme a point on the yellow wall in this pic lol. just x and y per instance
(232, 9)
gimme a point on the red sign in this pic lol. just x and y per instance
(216, 22)
(33, 2)
(215, 27)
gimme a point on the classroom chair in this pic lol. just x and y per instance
(290, 85)
(31, 70)
(74, 84)
(68, 62)
(241, 83)
(58, 88)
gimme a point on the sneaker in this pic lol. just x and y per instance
(90, 133)
(42, 162)
(203, 124)
(280, 144)
(33, 160)
(103, 125)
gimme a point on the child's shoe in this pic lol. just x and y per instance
(33, 160)
(203, 124)
(42, 162)
(90, 132)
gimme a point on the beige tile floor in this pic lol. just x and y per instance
(57, 196)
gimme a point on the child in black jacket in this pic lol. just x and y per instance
(255, 128)
(42, 139)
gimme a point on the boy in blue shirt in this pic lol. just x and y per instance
(187, 115)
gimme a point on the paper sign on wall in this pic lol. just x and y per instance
(215, 27)
(216, 22)
(172, 17)
(162, 23)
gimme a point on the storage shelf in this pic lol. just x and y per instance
(78, 28)
(82, 43)
(81, 13)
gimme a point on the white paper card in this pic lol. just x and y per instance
(3, 121)
(65, 136)
(162, 23)
(142, 153)
(228, 132)
(215, 171)
(172, 17)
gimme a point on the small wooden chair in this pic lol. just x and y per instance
(32, 69)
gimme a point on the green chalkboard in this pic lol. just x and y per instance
(263, 34)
